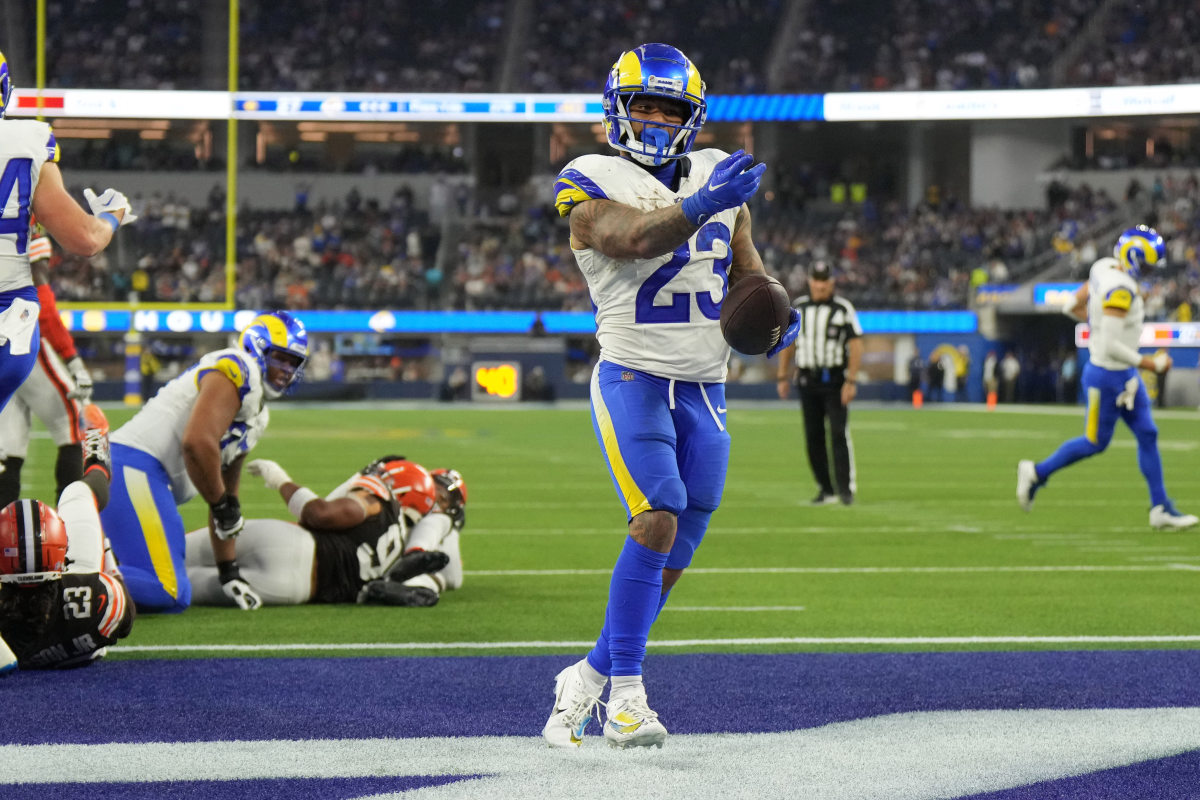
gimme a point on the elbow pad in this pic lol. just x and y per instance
(1114, 348)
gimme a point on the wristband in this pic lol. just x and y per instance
(691, 207)
(110, 218)
(299, 500)
(228, 571)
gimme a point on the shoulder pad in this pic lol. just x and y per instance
(577, 183)
(233, 366)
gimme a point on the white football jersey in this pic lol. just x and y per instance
(158, 428)
(1111, 287)
(25, 145)
(660, 315)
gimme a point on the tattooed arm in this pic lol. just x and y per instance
(746, 260)
(619, 231)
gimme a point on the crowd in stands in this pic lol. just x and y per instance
(515, 254)
(460, 45)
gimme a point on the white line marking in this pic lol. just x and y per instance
(662, 644)
(494, 573)
(732, 608)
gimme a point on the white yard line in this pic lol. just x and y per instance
(882, 641)
(492, 573)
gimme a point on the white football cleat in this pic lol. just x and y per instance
(575, 702)
(631, 723)
(1167, 516)
(1027, 484)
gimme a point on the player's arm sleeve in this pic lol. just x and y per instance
(1114, 348)
(51, 324)
(572, 187)
(116, 618)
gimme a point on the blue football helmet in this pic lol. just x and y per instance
(6, 85)
(278, 342)
(662, 71)
(1140, 247)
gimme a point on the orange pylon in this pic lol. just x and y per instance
(918, 399)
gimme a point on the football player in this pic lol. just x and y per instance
(388, 535)
(660, 232)
(192, 438)
(30, 182)
(1114, 313)
(54, 391)
(62, 600)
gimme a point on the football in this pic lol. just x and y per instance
(755, 314)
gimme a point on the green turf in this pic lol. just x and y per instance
(936, 490)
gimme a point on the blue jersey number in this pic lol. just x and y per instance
(645, 310)
(18, 175)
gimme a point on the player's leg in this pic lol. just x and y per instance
(632, 422)
(275, 557)
(19, 339)
(14, 445)
(843, 452)
(147, 532)
(812, 407)
(1100, 420)
(85, 535)
(46, 392)
(1163, 513)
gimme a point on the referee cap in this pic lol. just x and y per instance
(820, 271)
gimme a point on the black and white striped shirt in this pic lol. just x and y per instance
(825, 328)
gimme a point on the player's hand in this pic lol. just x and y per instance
(1128, 397)
(110, 202)
(1162, 362)
(83, 380)
(243, 594)
(732, 183)
(789, 336)
(272, 474)
(227, 517)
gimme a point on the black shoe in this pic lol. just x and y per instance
(847, 499)
(418, 562)
(387, 593)
(824, 498)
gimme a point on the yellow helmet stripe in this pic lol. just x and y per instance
(275, 328)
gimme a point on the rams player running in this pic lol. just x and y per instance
(191, 438)
(1115, 312)
(30, 181)
(660, 232)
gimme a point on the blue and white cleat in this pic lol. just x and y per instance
(1027, 484)
(574, 706)
(1167, 517)
(631, 723)
(8, 659)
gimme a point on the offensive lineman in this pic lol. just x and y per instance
(660, 232)
(1115, 313)
(192, 438)
(30, 182)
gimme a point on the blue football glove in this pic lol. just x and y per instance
(732, 183)
(789, 336)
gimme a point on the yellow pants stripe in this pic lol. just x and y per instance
(153, 531)
(634, 499)
(1092, 429)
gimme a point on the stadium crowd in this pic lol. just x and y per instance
(462, 45)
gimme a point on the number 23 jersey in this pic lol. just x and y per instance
(89, 612)
(659, 315)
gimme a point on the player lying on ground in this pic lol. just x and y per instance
(388, 535)
(62, 600)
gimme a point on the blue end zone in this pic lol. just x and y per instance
(1161, 778)
(223, 699)
(267, 789)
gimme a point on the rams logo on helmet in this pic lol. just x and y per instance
(1139, 247)
(279, 344)
(662, 71)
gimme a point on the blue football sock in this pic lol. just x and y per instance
(634, 597)
(1150, 463)
(1067, 454)
(600, 658)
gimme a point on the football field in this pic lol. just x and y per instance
(932, 601)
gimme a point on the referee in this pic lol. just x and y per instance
(824, 363)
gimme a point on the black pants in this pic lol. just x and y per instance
(820, 402)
